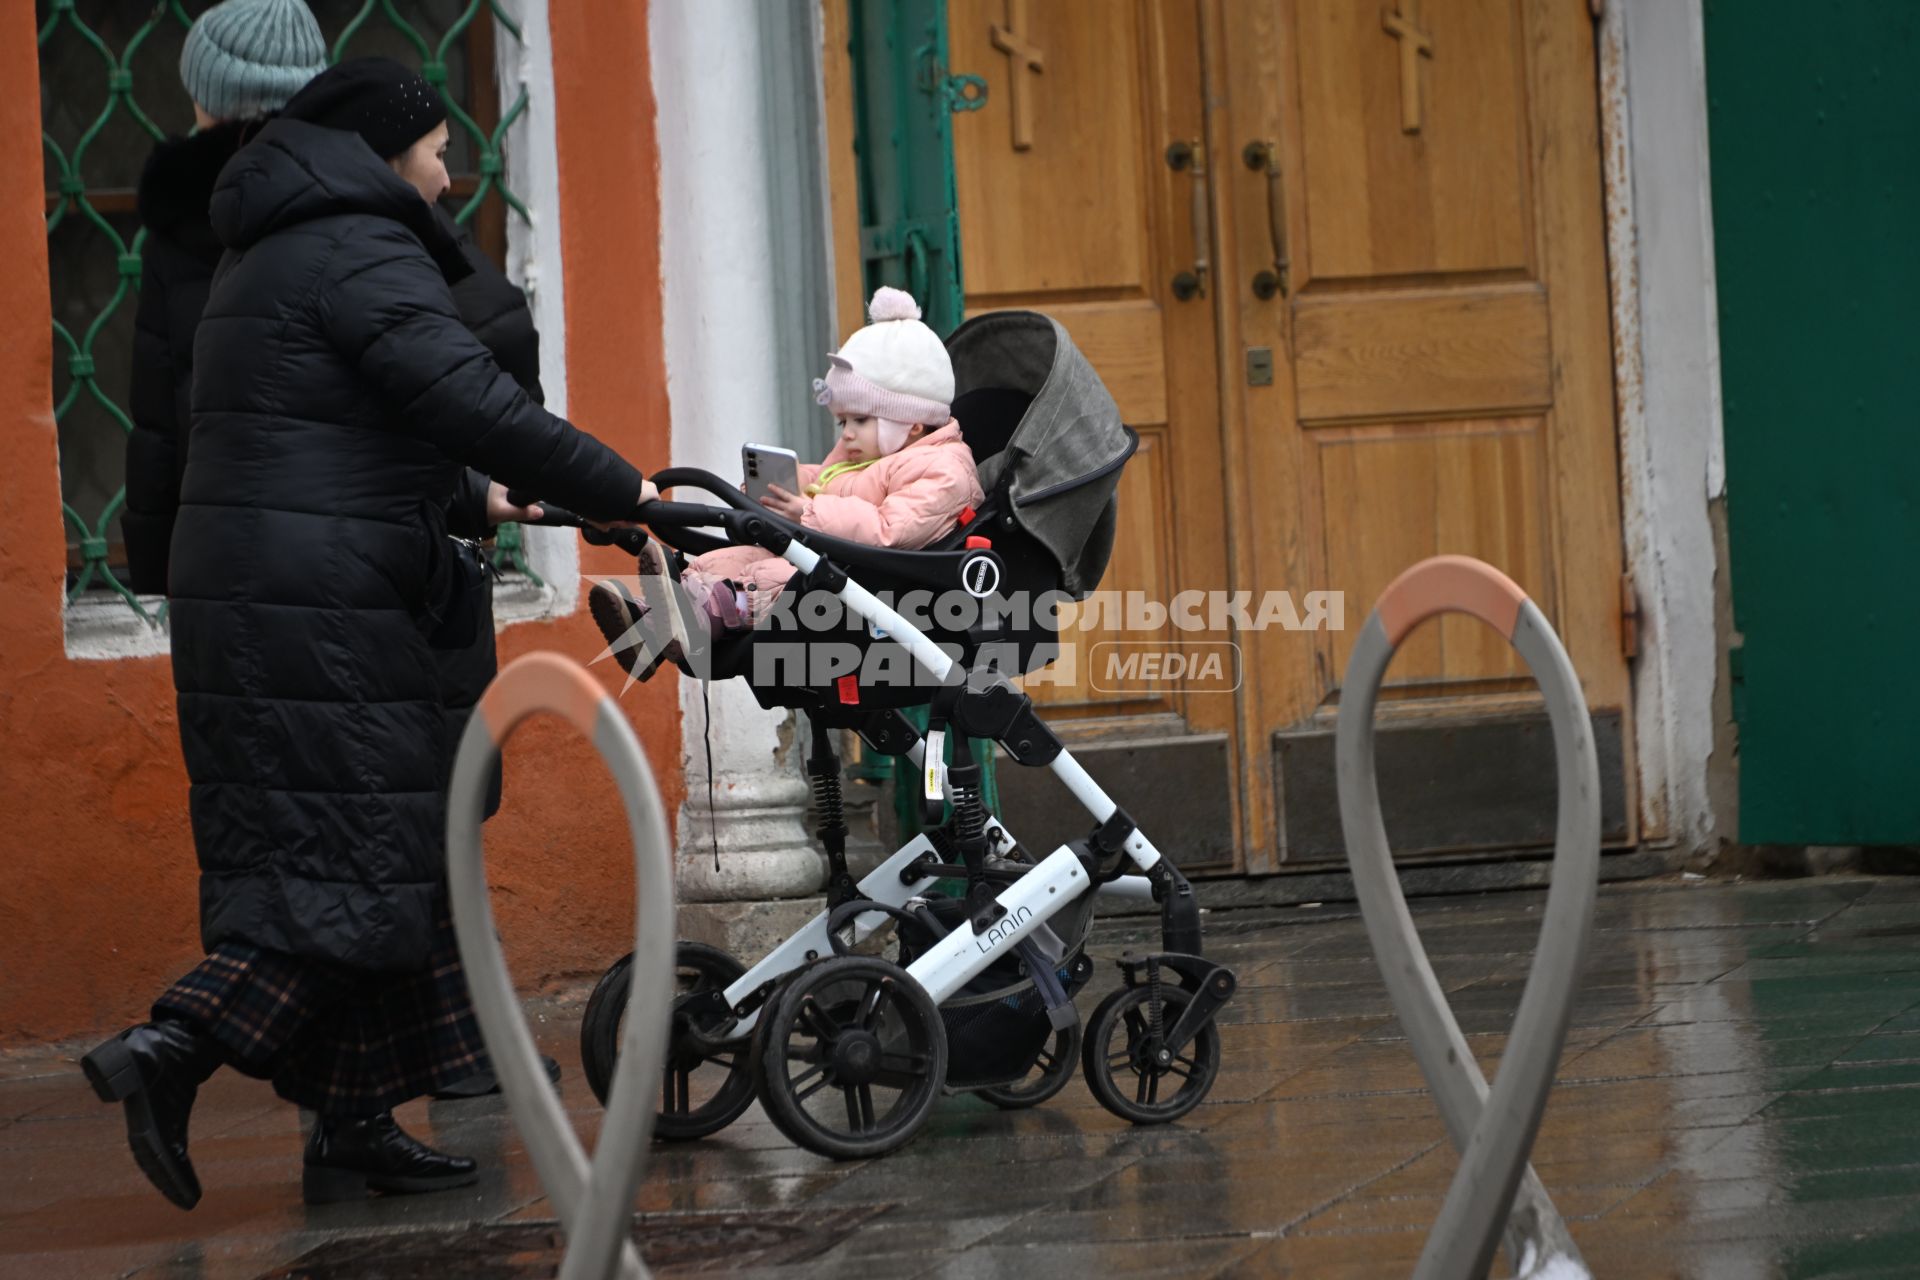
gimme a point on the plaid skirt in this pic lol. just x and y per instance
(341, 1041)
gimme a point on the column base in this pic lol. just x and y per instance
(747, 931)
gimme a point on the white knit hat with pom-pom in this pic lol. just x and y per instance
(896, 369)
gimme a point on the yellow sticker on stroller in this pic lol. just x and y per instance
(935, 764)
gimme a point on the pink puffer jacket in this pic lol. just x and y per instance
(906, 500)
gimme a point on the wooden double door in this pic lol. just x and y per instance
(1341, 263)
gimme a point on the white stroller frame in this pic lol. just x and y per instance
(1053, 883)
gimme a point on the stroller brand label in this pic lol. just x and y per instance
(980, 576)
(1003, 930)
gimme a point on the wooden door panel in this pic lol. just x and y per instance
(1068, 211)
(1392, 496)
(1433, 351)
(1451, 195)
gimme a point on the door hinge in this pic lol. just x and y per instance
(1629, 618)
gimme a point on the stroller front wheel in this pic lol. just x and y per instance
(852, 1056)
(707, 1083)
(1129, 1068)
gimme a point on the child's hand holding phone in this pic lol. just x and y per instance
(782, 503)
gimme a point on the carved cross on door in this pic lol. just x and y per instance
(1021, 56)
(1403, 23)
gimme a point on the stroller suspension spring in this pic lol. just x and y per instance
(969, 810)
(829, 806)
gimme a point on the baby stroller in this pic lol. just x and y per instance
(848, 1052)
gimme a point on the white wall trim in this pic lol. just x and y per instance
(534, 260)
(1666, 339)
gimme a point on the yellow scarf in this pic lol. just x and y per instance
(829, 474)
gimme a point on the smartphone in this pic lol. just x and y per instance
(768, 465)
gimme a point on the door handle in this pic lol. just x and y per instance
(1189, 157)
(1271, 280)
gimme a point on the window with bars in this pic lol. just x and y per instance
(109, 89)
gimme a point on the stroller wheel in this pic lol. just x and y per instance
(852, 1057)
(1050, 1073)
(707, 1083)
(1123, 1062)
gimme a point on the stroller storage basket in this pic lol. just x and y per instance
(997, 1023)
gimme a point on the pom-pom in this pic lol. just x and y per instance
(892, 304)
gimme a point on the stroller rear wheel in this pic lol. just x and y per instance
(852, 1056)
(1127, 1065)
(1048, 1076)
(707, 1082)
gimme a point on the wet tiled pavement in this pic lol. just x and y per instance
(1739, 1098)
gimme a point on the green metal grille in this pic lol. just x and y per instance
(109, 89)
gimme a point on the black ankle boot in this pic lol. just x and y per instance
(348, 1158)
(155, 1070)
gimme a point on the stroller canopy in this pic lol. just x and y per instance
(1060, 466)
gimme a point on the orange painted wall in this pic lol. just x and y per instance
(98, 907)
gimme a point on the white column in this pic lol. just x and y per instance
(716, 269)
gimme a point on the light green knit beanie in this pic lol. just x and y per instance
(245, 58)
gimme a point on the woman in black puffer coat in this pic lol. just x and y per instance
(337, 397)
(177, 265)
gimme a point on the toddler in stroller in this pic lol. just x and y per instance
(900, 475)
(848, 1052)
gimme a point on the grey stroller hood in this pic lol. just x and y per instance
(1062, 463)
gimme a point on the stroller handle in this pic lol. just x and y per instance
(746, 524)
(695, 478)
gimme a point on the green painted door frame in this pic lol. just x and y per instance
(903, 101)
(1815, 138)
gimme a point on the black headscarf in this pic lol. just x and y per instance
(385, 103)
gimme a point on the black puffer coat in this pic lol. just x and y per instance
(336, 397)
(177, 264)
(176, 269)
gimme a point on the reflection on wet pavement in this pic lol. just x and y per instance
(1739, 1097)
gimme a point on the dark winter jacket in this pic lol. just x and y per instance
(336, 397)
(176, 267)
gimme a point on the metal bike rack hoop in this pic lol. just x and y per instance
(594, 1198)
(1495, 1191)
